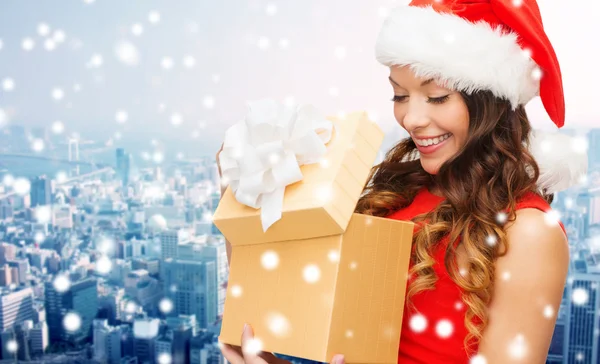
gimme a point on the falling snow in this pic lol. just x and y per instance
(418, 323)
(72, 321)
(517, 348)
(236, 290)
(278, 324)
(12, 346)
(165, 358)
(580, 296)
(311, 273)
(444, 328)
(478, 359)
(253, 346)
(62, 283)
(8, 84)
(269, 260)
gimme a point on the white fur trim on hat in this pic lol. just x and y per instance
(460, 54)
(562, 159)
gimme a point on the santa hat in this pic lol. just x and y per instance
(494, 45)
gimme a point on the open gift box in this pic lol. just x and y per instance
(322, 279)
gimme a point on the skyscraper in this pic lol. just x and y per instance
(81, 299)
(123, 166)
(191, 285)
(582, 327)
(16, 306)
(41, 191)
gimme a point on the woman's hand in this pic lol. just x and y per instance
(220, 173)
(235, 354)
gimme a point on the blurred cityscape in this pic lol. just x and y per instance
(107, 258)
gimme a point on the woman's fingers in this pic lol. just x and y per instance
(233, 354)
(338, 359)
(217, 159)
(253, 354)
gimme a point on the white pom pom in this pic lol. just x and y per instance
(562, 159)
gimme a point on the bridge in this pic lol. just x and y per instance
(52, 159)
(70, 181)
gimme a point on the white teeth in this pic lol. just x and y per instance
(428, 142)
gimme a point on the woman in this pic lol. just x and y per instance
(461, 72)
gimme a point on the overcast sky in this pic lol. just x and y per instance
(184, 69)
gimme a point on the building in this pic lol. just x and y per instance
(107, 342)
(169, 242)
(41, 191)
(582, 328)
(192, 286)
(81, 299)
(16, 306)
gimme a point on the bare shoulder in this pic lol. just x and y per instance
(527, 291)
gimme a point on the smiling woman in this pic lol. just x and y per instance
(468, 179)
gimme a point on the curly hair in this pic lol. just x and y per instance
(489, 174)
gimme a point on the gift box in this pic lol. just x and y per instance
(317, 279)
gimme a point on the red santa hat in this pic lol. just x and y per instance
(471, 45)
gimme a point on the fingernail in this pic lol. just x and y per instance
(245, 326)
(338, 359)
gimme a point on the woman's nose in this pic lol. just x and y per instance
(416, 116)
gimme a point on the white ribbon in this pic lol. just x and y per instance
(262, 154)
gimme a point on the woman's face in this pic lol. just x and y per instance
(436, 118)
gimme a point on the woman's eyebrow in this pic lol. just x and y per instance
(424, 83)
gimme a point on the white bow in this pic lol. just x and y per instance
(562, 160)
(262, 154)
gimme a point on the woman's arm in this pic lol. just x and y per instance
(528, 288)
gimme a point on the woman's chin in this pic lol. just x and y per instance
(430, 167)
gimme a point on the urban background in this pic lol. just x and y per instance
(111, 114)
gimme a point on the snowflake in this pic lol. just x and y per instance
(28, 44)
(12, 346)
(58, 127)
(518, 347)
(444, 328)
(284, 43)
(72, 321)
(340, 52)
(548, 311)
(209, 102)
(61, 283)
(49, 44)
(253, 346)
(189, 61)
(127, 53)
(269, 260)
(121, 116)
(311, 273)
(8, 84)
(165, 358)
(57, 94)
(478, 359)
(501, 217)
(154, 17)
(418, 323)
(236, 290)
(278, 324)
(580, 296)
(271, 9)
(137, 29)
(263, 43)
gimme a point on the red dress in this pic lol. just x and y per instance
(438, 328)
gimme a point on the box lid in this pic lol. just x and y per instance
(323, 202)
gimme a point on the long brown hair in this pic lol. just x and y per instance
(488, 175)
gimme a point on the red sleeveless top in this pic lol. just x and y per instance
(435, 333)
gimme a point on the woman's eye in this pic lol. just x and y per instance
(397, 98)
(438, 100)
